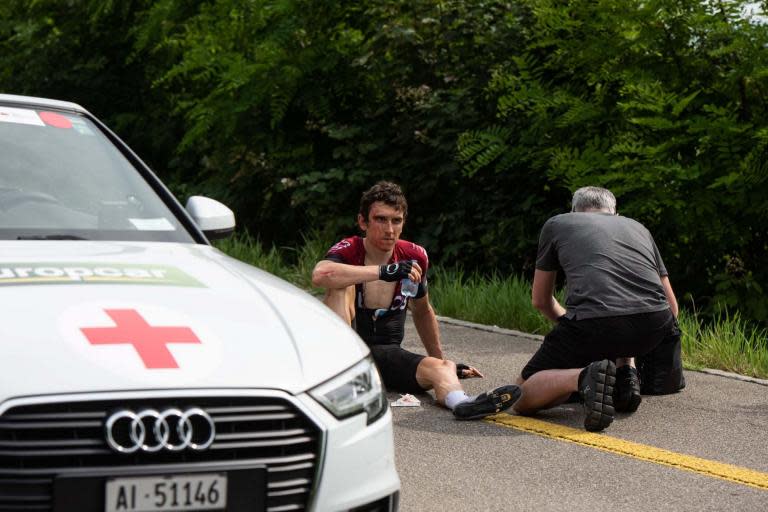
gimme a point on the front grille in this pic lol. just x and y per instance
(42, 441)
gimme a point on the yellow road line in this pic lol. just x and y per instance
(606, 443)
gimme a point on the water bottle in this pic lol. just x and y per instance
(408, 288)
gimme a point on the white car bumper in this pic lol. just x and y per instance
(344, 465)
(358, 465)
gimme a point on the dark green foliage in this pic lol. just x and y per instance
(79, 50)
(663, 102)
(489, 112)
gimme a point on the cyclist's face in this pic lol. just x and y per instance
(383, 226)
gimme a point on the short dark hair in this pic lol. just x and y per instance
(388, 193)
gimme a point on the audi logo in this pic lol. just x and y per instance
(150, 430)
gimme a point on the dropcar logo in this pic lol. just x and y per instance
(150, 430)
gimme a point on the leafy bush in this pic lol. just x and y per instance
(664, 103)
(489, 112)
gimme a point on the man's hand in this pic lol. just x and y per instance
(400, 270)
(464, 371)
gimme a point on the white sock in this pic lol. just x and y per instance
(454, 398)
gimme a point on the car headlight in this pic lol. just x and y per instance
(354, 391)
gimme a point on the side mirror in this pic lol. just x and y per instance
(214, 219)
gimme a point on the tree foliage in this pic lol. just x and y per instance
(663, 102)
(489, 112)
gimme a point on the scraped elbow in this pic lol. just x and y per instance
(317, 279)
(320, 275)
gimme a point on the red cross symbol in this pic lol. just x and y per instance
(150, 342)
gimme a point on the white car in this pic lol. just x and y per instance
(144, 370)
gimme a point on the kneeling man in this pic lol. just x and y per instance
(620, 305)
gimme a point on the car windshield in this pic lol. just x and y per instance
(62, 178)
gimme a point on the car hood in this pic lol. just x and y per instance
(103, 316)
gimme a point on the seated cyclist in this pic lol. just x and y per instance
(362, 277)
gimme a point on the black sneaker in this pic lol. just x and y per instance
(487, 403)
(626, 394)
(596, 383)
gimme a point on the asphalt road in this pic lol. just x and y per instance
(445, 464)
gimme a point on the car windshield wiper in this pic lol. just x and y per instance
(50, 237)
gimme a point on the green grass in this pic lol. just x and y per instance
(292, 264)
(727, 343)
(306, 257)
(248, 249)
(501, 301)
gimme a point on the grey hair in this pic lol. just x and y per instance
(593, 198)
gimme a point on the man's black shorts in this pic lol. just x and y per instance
(576, 343)
(397, 367)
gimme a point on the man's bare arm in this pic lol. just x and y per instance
(333, 275)
(330, 274)
(542, 295)
(670, 295)
(426, 325)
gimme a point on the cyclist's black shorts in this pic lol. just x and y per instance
(397, 367)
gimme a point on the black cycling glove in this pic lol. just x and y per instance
(395, 271)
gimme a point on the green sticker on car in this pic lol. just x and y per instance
(93, 273)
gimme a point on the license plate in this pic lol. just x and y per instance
(167, 493)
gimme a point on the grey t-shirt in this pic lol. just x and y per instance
(611, 264)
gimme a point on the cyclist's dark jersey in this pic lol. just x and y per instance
(383, 326)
